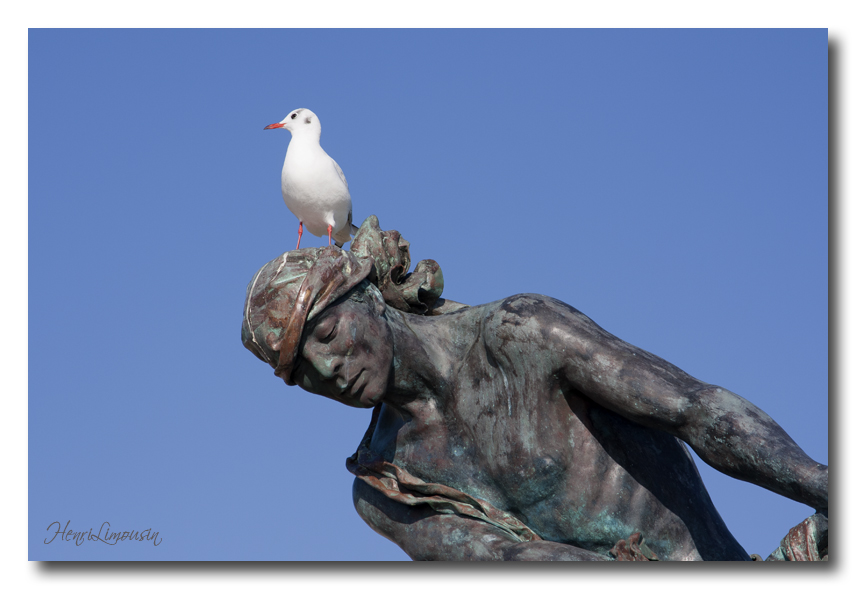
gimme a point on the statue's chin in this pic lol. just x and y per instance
(367, 397)
(370, 401)
(359, 403)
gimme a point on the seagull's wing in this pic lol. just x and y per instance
(349, 230)
(339, 171)
(351, 227)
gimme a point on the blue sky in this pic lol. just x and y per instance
(670, 184)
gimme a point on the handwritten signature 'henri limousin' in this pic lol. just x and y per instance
(66, 534)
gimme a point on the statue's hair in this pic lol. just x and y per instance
(366, 291)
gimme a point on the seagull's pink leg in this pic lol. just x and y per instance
(300, 233)
(329, 230)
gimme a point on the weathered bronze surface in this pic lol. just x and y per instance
(518, 429)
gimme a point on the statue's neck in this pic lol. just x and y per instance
(426, 355)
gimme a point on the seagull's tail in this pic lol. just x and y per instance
(351, 231)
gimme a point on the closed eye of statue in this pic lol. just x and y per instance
(325, 331)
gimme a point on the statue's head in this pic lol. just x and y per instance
(318, 316)
(312, 315)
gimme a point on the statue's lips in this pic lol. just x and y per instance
(350, 389)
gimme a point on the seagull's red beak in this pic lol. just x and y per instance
(275, 126)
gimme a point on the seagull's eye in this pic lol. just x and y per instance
(294, 115)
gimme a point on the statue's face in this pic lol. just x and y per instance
(346, 355)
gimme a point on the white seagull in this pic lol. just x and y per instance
(314, 187)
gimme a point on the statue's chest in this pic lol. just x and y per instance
(511, 458)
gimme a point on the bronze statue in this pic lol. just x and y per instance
(518, 429)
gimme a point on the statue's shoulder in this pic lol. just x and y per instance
(524, 316)
(529, 306)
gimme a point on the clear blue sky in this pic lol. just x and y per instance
(670, 184)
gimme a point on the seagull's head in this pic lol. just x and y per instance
(299, 122)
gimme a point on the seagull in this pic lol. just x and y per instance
(314, 187)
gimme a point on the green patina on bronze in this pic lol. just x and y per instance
(518, 429)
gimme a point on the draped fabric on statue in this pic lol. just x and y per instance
(806, 541)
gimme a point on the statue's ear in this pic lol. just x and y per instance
(379, 304)
(376, 301)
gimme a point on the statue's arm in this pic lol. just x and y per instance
(426, 535)
(726, 431)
